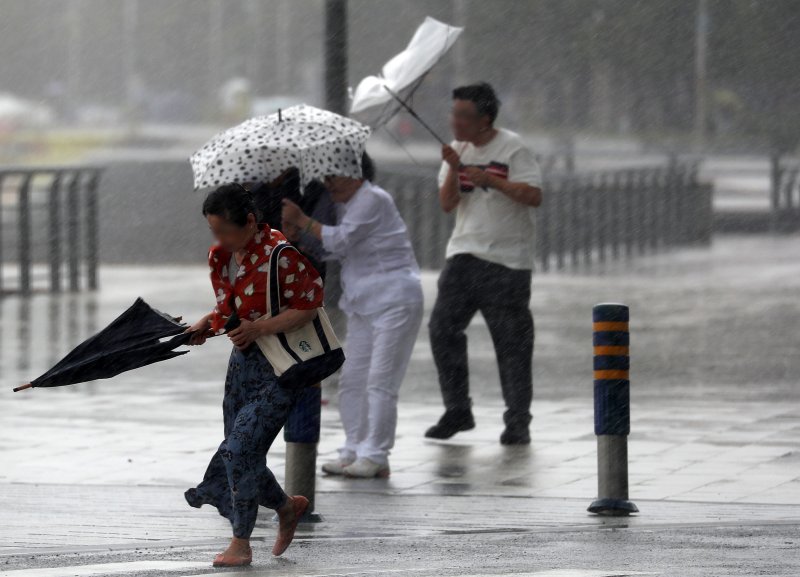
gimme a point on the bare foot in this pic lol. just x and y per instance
(288, 517)
(237, 554)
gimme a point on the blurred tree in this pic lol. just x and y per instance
(608, 65)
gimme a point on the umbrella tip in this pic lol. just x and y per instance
(21, 387)
(280, 115)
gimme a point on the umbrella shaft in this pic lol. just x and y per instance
(413, 113)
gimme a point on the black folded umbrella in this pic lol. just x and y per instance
(132, 340)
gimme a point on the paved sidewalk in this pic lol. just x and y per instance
(94, 473)
(134, 530)
(677, 451)
(715, 384)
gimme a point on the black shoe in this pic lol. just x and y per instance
(451, 423)
(515, 437)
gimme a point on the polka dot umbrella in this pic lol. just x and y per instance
(316, 142)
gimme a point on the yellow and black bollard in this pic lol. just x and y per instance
(612, 410)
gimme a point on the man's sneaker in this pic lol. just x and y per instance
(451, 423)
(515, 437)
(364, 468)
(336, 467)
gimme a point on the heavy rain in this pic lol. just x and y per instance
(369, 287)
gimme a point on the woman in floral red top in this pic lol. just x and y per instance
(255, 407)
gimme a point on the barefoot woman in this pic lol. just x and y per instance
(255, 406)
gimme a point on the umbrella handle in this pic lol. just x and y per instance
(21, 387)
(413, 113)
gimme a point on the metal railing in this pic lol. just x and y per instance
(48, 216)
(785, 197)
(584, 219)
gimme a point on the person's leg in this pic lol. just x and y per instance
(353, 385)
(508, 316)
(394, 333)
(452, 313)
(256, 425)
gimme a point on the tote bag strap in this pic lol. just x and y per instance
(274, 284)
(275, 302)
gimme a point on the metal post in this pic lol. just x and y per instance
(602, 215)
(573, 221)
(73, 236)
(611, 409)
(617, 214)
(628, 192)
(91, 230)
(589, 193)
(775, 187)
(336, 56)
(559, 213)
(301, 434)
(25, 235)
(55, 233)
(654, 198)
(542, 216)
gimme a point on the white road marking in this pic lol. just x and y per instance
(107, 569)
(353, 571)
(564, 573)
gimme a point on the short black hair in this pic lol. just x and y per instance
(484, 97)
(233, 202)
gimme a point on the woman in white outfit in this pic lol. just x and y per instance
(382, 298)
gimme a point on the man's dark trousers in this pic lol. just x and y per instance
(467, 285)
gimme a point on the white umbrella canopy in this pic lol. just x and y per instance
(316, 142)
(376, 105)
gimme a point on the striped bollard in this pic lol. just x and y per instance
(612, 410)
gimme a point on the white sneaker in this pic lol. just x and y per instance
(336, 467)
(366, 469)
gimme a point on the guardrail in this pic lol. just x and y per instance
(48, 216)
(584, 219)
(785, 197)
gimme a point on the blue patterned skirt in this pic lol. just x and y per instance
(254, 409)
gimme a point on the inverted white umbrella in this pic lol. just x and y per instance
(377, 99)
(316, 142)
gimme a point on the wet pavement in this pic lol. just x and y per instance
(92, 475)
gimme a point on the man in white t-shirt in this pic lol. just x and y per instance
(493, 182)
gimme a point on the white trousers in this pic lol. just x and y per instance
(377, 352)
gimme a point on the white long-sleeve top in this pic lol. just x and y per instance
(371, 241)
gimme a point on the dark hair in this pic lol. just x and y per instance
(233, 202)
(367, 167)
(484, 97)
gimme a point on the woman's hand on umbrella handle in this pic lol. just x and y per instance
(201, 330)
